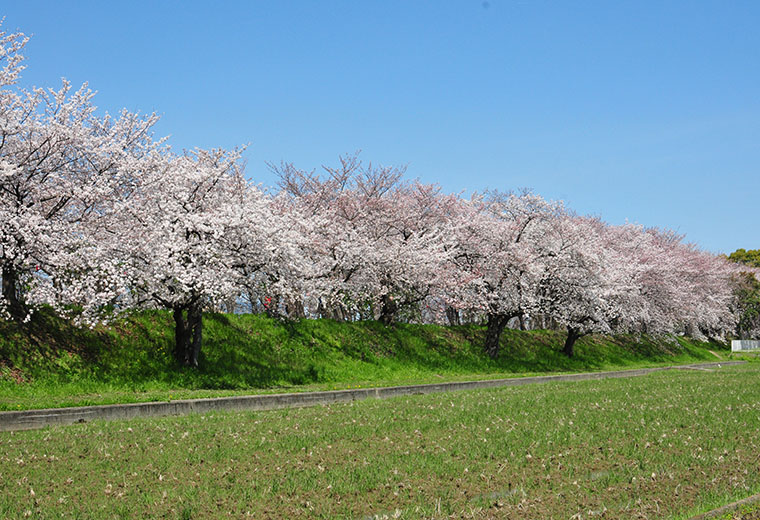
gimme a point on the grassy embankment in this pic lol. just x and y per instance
(48, 363)
(666, 445)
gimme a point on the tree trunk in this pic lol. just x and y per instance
(572, 336)
(253, 302)
(494, 328)
(337, 313)
(188, 335)
(195, 322)
(389, 310)
(11, 293)
(541, 322)
(453, 315)
(181, 336)
(321, 309)
(553, 325)
(295, 309)
(329, 311)
(521, 318)
(229, 306)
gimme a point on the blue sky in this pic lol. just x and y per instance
(631, 110)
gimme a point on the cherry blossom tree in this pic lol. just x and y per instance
(706, 297)
(609, 279)
(585, 283)
(410, 239)
(377, 242)
(501, 245)
(195, 233)
(334, 248)
(61, 169)
(266, 247)
(680, 287)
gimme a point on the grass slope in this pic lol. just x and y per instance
(665, 445)
(50, 363)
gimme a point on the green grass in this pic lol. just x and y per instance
(49, 363)
(665, 445)
(745, 512)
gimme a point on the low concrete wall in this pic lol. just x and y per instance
(32, 419)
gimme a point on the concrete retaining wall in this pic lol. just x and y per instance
(32, 419)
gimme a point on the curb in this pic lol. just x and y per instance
(34, 419)
(730, 508)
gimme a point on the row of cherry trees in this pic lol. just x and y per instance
(97, 217)
(389, 249)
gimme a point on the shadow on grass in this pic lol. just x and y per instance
(254, 351)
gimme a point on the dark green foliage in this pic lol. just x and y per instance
(747, 293)
(742, 256)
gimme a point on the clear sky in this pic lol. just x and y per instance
(631, 110)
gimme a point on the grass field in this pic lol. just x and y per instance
(49, 363)
(666, 445)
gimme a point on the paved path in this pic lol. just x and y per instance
(33, 419)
